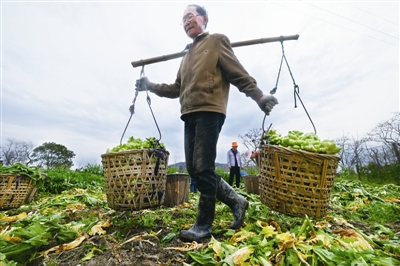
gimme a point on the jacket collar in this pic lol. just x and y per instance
(198, 37)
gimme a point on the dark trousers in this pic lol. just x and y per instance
(193, 185)
(201, 136)
(234, 171)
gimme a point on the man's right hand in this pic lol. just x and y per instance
(142, 84)
(266, 103)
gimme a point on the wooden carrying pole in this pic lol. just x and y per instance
(234, 44)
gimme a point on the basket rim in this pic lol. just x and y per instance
(8, 174)
(291, 150)
(128, 152)
(16, 175)
(179, 174)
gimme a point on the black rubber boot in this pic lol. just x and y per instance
(205, 216)
(237, 203)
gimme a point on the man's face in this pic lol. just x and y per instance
(194, 23)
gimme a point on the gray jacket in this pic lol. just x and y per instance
(231, 158)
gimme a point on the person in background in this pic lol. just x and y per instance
(234, 164)
(202, 86)
(254, 157)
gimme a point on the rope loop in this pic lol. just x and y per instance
(132, 108)
(296, 89)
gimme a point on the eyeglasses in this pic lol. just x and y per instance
(188, 18)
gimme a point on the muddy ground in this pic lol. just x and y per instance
(140, 246)
(146, 250)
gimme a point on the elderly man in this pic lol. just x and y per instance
(202, 86)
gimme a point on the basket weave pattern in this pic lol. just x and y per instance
(296, 182)
(131, 180)
(13, 190)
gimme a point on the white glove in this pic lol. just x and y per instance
(142, 84)
(266, 103)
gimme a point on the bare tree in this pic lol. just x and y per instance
(376, 159)
(251, 140)
(353, 153)
(345, 154)
(388, 133)
(358, 148)
(396, 150)
(16, 152)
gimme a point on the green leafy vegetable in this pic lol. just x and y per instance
(303, 141)
(32, 172)
(137, 143)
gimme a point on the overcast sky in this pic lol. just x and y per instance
(66, 73)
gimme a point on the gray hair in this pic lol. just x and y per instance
(202, 11)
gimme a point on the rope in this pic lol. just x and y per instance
(296, 89)
(132, 110)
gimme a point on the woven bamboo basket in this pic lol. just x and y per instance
(32, 192)
(295, 182)
(251, 184)
(14, 190)
(177, 189)
(135, 179)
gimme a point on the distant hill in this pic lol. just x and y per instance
(182, 166)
